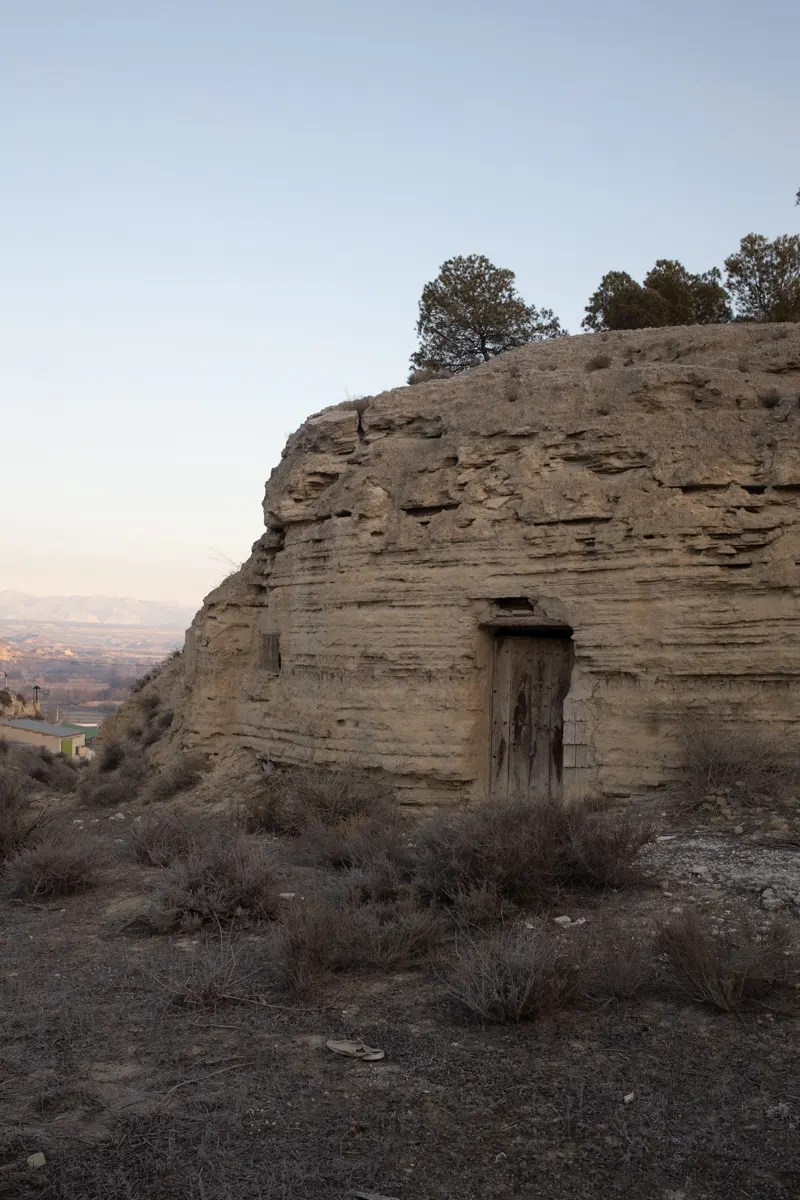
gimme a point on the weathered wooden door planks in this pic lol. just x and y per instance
(531, 679)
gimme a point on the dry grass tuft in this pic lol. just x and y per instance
(303, 943)
(220, 972)
(600, 362)
(326, 932)
(219, 881)
(58, 866)
(727, 970)
(299, 798)
(357, 842)
(154, 672)
(19, 823)
(387, 936)
(425, 375)
(182, 773)
(111, 786)
(520, 850)
(477, 906)
(157, 839)
(750, 764)
(112, 755)
(382, 878)
(512, 975)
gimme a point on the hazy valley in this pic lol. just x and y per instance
(83, 667)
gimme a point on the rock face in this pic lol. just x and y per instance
(523, 576)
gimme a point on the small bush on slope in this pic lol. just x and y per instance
(181, 774)
(293, 800)
(520, 850)
(729, 970)
(19, 824)
(338, 932)
(157, 839)
(219, 881)
(512, 975)
(747, 762)
(110, 786)
(57, 866)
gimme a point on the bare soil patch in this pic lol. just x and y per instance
(177, 1067)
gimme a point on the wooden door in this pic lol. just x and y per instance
(531, 679)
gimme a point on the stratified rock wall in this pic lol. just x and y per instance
(640, 487)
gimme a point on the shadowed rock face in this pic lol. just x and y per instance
(650, 505)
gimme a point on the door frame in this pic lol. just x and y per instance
(535, 624)
(545, 633)
(512, 614)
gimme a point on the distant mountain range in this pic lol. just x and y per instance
(93, 610)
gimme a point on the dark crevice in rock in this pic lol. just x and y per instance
(430, 510)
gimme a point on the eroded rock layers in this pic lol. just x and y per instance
(640, 488)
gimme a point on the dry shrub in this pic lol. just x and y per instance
(154, 672)
(302, 944)
(219, 881)
(601, 846)
(157, 839)
(182, 773)
(19, 824)
(497, 844)
(157, 727)
(111, 787)
(382, 877)
(149, 704)
(57, 866)
(600, 362)
(220, 972)
(357, 841)
(479, 905)
(426, 375)
(387, 936)
(112, 755)
(521, 849)
(512, 975)
(728, 970)
(326, 932)
(300, 797)
(53, 772)
(753, 765)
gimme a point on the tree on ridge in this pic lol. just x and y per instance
(472, 312)
(669, 295)
(763, 278)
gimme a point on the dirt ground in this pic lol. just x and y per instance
(130, 1097)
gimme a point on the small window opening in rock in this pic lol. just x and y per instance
(271, 653)
(514, 604)
(548, 632)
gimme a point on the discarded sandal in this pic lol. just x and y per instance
(356, 1050)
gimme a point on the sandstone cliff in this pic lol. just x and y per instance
(640, 488)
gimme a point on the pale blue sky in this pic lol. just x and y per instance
(217, 218)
